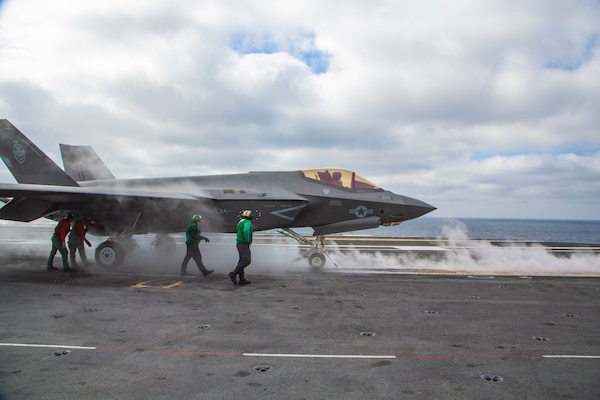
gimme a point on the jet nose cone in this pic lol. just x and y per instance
(414, 208)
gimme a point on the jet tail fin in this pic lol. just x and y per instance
(83, 164)
(26, 161)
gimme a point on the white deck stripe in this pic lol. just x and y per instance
(570, 356)
(61, 346)
(314, 355)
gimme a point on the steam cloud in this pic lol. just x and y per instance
(461, 255)
(27, 245)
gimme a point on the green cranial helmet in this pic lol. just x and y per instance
(247, 214)
(196, 217)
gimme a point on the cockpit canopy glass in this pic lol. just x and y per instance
(340, 177)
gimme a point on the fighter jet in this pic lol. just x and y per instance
(329, 200)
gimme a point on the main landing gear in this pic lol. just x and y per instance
(112, 252)
(316, 259)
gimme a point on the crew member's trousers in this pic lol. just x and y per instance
(57, 245)
(74, 246)
(243, 249)
(193, 251)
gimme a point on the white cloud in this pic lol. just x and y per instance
(479, 108)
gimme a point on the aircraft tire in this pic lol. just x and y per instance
(109, 254)
(316, 260)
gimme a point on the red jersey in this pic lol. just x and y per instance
(62, 229)
(80, 228)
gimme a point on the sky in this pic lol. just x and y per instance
(481, 108)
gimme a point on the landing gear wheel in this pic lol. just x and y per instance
(109, 254)
(316, 260)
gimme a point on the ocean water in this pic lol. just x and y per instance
(560, 231)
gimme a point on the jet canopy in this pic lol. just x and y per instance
(340, 177)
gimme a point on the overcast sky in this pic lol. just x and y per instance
(480, 108)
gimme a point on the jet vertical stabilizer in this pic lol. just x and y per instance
(83, 164)
(26, 161)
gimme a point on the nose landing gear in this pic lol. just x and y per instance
(316, 259)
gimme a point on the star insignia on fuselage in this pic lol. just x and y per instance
(361, 211)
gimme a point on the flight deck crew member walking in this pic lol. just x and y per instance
(58, 243)
(76, 240)
(192, 242)
(243, 242)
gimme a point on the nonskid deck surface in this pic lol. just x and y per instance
(142, 331)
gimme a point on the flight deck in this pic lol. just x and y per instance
(383, 319)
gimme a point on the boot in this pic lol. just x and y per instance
(233, 277)
(205, 272)
(243, 281)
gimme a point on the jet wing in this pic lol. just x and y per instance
(31, 202)
(79, 193)
(162, 208)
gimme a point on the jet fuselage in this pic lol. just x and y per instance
(277, 199)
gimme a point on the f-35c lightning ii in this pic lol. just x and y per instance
(329, 200)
